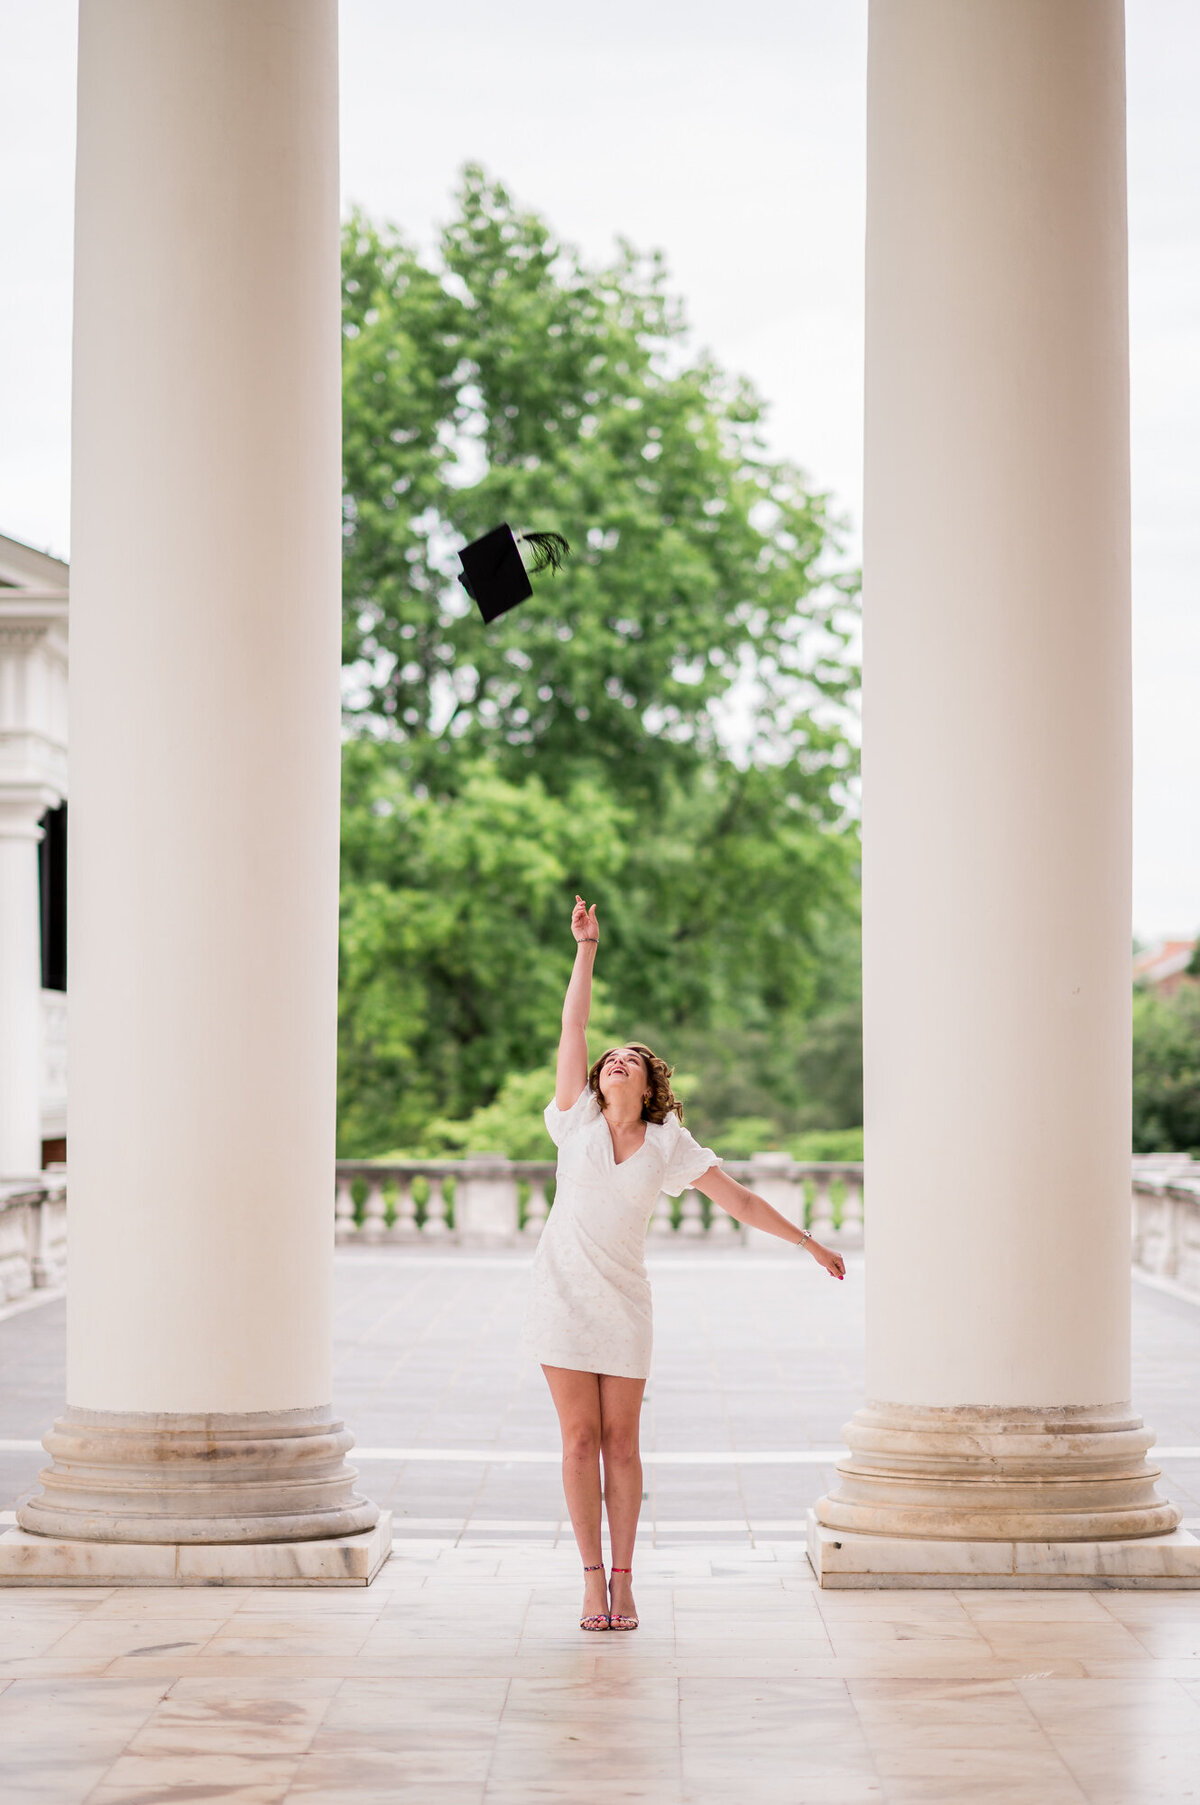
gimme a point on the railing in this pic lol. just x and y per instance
(33, 1234)
(488, 1200)
(1166, 1218)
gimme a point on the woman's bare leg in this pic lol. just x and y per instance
(577, 1400)
(620, 1414)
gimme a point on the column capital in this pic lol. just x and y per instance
(22, 807)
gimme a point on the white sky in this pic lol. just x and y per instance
(732, 138)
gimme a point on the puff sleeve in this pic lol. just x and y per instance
(688, 1161)
(562, 1122)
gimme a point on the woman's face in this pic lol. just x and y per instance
(623, 1074)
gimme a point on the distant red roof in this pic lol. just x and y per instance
(1163, 963)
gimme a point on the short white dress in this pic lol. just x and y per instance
(589, 1299)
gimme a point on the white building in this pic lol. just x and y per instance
(33, 847)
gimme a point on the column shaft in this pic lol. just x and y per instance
(205, 747)
(997, 782)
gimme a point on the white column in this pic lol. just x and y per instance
(20, 987)
(205, 658)
(996, 783)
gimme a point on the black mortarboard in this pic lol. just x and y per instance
(493, 571)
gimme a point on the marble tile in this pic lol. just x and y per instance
(261, 1722)
(65, 1781)
(345, 1769)
(258, 1636)
(396, 1791)
(1028, 1766)
(172, 1601)
(966, 1688)
(925, 1789)
(912, 1606)
(855, 1633)
(243, 1793)
(1168, 1639)
(1039, 1607)
(1075, 1640)
(437, 1703)
(129, 1635)
(211, 1768)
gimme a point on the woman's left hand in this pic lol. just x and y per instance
(833, 1263)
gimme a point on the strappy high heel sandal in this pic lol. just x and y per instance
(599, 1619)
(615, 1619)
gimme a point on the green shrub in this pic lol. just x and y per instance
(827, 1144)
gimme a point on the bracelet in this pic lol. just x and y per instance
(805, 1238)
(588, 940)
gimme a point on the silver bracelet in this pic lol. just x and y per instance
(805, 1238)
(588, 940)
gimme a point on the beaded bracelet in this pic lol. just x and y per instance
(588, 940)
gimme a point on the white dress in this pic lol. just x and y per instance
(589, 1299)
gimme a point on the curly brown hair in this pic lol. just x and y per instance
(662, 1098)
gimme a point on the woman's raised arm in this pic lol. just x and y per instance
(572, 1072)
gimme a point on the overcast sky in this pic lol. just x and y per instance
(730, 136)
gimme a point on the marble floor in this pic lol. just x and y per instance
(460, 1677)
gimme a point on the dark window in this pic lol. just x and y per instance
(52, 879)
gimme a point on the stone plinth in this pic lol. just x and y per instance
(353, 1560)
(846, 1561)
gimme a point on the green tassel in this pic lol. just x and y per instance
(549, 550)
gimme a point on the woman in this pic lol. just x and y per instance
(619, 1129)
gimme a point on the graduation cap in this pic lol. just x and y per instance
(494, 573)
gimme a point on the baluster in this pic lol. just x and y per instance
(691, 1214)
(405, 1226)
(435, 1209)
(661, 1222)
(537, 1209)
(344, 1226)
(1172, 1233)
(374, 1212)
(821, 1221)
(852, 1211)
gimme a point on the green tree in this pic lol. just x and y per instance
(450, 919)
(1166, 1071)
(513, 383)
(574, 744)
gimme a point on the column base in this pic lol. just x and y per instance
(843, 1560)
(38, 1560)
(977, 1474)
(256, 1476)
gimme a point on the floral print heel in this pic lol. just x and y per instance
(598, 1621)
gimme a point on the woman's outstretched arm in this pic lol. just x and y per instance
(572, 1072)
(748, 1207)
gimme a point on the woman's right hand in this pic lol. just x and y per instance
(583, 921)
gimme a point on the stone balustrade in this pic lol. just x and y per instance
(33, 1233)
(1166, 1218)
(488, 1200)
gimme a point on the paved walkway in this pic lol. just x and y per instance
(758, 1363)
(460, 1677)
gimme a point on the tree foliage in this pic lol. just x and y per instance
(577, 742)
(1166, 1071)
